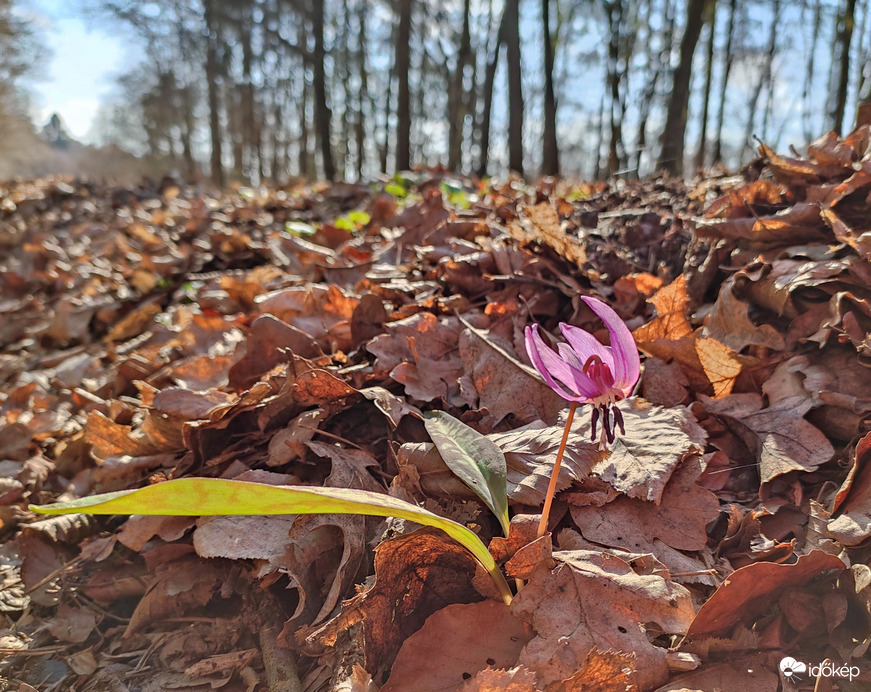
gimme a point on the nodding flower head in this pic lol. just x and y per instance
(586, 371)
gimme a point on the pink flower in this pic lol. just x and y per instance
(586, 371)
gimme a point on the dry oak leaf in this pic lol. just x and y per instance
(604, 671)
(781, 438)
(415, 575)
(420, 352)
(176, 588)
(750, 591)
(729, 323)
(679, 520)
(548, 230)
(516, 679)
(708, 364)
(495, 379)
(594, 600)
(454, 644)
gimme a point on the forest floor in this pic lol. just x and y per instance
(295, 335)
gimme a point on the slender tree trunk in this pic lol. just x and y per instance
(709, 72)
(457, 102)
(614, 12)
(487, 96)
(671, 156)
(217, 168)
(362, 47)
(403, 96)
(323, 115)
(515, 86)
(765, 75)
(653, 77)
(550, 154)
(846, 22)
(599, 169)
(728, 58)
(806, 97)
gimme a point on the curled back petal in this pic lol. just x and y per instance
(549, 365)
(585, 345)
(584, 384)
(627, 363)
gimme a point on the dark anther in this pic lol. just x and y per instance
(618, 420)
(606, 423)
(595, 420)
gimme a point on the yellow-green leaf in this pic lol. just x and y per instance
(221, 497)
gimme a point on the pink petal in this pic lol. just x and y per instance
(627, 363)
(584, 384)
(549, 365)
(585, 345)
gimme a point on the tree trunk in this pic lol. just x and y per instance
(515, 86)
(711, 20)
(846, 22)
(728, 58)
(217, 168)
(671, 156)
(614, 12)
(487, 96)
(360, 124)
(765, 75)
(806, 96)
(403, 96)
(456, 94)
(550, 154)
(653, 77)
(323, 115)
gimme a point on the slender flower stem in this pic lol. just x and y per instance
(551, 488)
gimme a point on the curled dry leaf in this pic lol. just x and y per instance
(751, 590)
(415, 575)
(611, 602)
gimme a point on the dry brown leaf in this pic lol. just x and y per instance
(751, 590)
(751, 675)
(780, 437)
(269, 343)
(611, 602)
(729, 323)
(496, 380)
(177, 587)
(517, 679)
(415, 575)
(679, 520)
(454, 644)
(604, 671)
(706, 363)
(851, 522)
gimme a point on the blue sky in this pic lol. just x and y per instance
(79, 72)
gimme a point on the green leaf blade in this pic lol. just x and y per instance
(474, 458)
(221, 497)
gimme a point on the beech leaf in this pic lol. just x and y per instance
(474, 458)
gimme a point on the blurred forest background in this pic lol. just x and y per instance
(268, 90)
